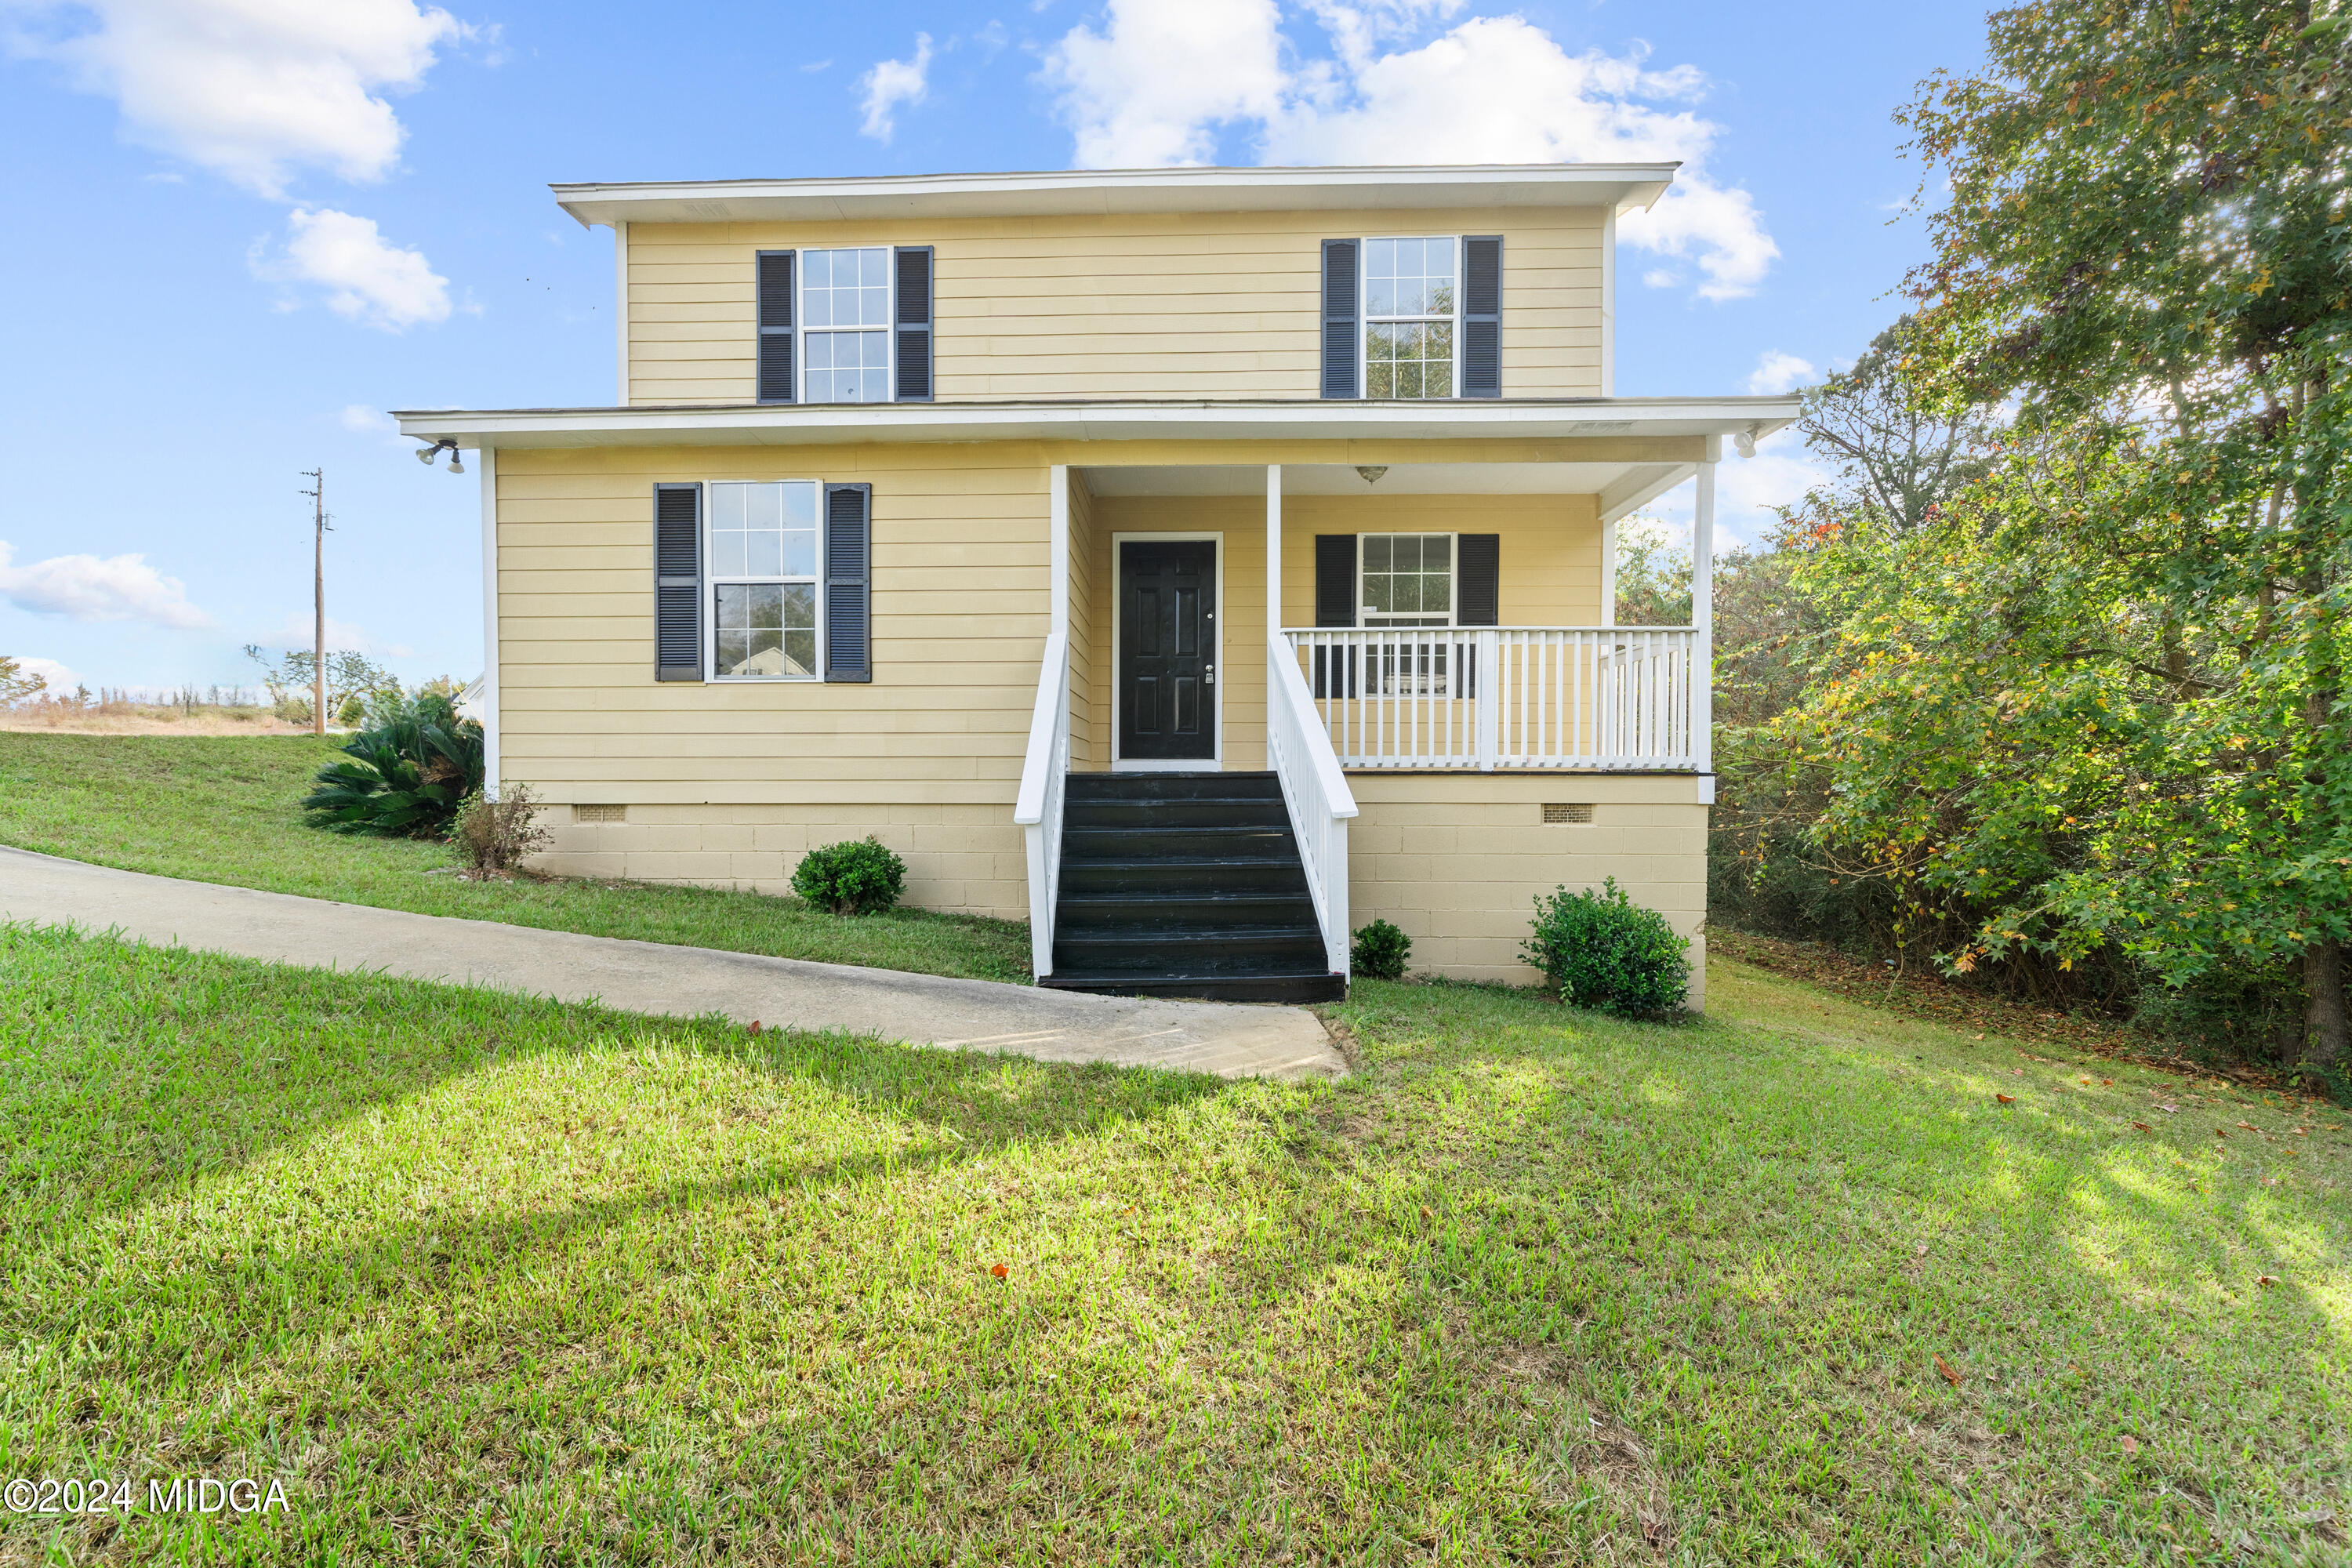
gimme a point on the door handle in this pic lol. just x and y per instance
(1209, 673)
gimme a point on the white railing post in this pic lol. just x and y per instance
(1486, 670)
(1314, 790)
(1701, 680)
(1044, 782)
(1596, 698)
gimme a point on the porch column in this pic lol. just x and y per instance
(1273, 549)
(1702, 682)
(1057, 512)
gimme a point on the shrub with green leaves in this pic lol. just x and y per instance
(856, 876)
(1600, 948)
(493, 838)
(406, 776)
(1380, 952)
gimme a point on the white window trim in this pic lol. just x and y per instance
(711, 581)
(1364, 316)
(1119, 765)
(889, 325)
(1453, 577)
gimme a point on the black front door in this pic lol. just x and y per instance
(1167, 650)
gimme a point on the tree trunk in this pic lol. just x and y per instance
(2324, 1041)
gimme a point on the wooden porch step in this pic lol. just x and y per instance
(1185, 885)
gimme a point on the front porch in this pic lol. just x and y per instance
(1325, 626)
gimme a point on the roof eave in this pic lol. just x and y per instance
(768, 425)
(1618, 186)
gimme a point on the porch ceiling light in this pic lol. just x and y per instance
(1372, 473)
(426, 455)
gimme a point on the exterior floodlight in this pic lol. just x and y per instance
(426, 455)
(456, 467)
(1372, 474)
(1746, 442)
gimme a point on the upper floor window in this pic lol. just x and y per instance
(1411, 305)
(846, 313)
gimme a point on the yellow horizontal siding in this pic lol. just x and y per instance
(1146, 306)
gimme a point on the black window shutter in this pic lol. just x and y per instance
(1481, 316)
(678, 582)
(914, 323)
(849, 582)
(775, 326)
(1479, 598)
(1340, 336)
(1335, 606)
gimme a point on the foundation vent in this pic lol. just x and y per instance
(621, 813)
(1566, 811)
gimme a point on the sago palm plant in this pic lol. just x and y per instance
(406, 776)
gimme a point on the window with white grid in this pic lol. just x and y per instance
(1411, 303)
(846, 325)
(763, 581)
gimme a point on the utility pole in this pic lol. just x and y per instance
(318, 494)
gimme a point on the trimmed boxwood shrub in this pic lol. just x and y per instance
(1380, 952)
(1600, 948)
(856, 876)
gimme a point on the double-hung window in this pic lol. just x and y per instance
(763, 581)
(846, 324)
(1412, 310)
(1407, 580)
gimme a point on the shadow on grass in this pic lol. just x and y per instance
(1530, 1257)
(143, 1070)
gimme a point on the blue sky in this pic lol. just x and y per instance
(245, 227)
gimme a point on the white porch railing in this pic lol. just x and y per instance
(1044, 782)
(1299, 752)
(1593, 698)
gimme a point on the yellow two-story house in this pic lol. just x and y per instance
(1196, 562)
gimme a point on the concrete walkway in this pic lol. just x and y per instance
(1219, 1038)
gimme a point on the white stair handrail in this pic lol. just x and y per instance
(1044, 782)
(1299, 752)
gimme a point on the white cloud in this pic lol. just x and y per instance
(87, 588)
(360, 420)
(366, 276)
(254, 89)
(1776, 372)
(1152, 87)
(62, 680)
(1158, 81)
(891, 83)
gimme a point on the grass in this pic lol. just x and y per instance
(228, 810)
(485, 1280)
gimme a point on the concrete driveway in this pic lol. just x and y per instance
(1225, 1039)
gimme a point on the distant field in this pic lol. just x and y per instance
(226, 810)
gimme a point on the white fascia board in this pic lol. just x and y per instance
(774, 425)
(1617, 187)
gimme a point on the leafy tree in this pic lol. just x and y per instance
(2099, 708)
(1896, 455)
(352, 677)
(15, 685)
(1654, 575)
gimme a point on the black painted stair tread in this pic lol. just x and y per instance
(1186, 885)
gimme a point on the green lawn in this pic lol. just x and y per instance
(226, 809)
(490, 1280)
